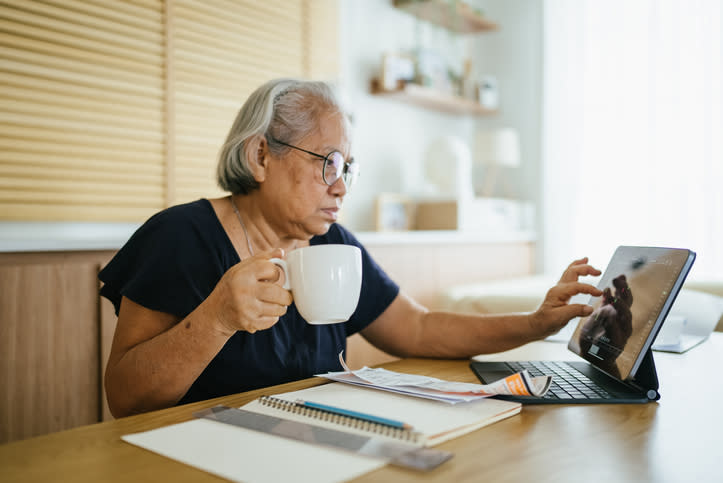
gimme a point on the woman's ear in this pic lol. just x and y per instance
(257, 154)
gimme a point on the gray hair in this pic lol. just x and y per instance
(284, 109)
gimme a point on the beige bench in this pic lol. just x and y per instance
(524, 294)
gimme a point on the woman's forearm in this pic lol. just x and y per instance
(157, 372)
(457, 335)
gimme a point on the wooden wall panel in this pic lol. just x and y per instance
(48, 348)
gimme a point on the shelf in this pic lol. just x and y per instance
(456, 16)
(431, 99)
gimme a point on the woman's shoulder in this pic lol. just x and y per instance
(192, 211)
(199, 212)
(180, 223)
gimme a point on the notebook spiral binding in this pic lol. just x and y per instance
(348, 421)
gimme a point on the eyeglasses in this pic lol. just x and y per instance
(335, 166)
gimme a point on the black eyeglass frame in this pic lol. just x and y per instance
(344, 171)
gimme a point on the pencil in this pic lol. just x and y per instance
(354, 414)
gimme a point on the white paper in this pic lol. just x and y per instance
(240, 454)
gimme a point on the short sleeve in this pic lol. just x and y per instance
(171, 263)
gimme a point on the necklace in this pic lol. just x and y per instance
(243, 227)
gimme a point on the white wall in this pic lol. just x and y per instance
(390, 138)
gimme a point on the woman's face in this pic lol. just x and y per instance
(302, 205)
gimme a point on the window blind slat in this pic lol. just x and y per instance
(57, 88)
(119, 12)
(11, 142)
(208, 84)
(234, 43)
(242, 16)
(64, 52)
(82, 211)
(58, 74)
(271, 10)
(143, 40)
(81, 173)
(73, 192)
(63, 138)
(39, 101)
(61, 38)
(241, 55)
(147, 167)
(82, 118)
(69, 126)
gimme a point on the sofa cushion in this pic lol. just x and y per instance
(697, 302)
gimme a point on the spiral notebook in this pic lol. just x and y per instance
(431, 422)
(239, 454)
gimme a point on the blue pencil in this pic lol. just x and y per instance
(354, 414)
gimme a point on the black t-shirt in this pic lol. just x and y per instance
(175, 259)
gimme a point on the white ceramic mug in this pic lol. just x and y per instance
(325, 281)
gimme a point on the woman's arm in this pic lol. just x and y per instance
(407, 329)
(154, 359)
(155, 356)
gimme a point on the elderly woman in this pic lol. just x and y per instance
(201, 310)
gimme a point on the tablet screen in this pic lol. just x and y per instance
(639, 285)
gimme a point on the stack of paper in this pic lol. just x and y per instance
(520, 384)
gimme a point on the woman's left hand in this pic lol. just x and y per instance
(556, 311)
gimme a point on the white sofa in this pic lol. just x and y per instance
(697, 298)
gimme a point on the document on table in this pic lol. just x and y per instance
(520, 384)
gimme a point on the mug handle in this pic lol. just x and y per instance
(282, 265)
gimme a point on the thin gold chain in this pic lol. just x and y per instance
(240, 220)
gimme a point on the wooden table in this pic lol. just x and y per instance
(676, 439)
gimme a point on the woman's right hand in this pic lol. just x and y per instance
(556, 311)
(249, 296)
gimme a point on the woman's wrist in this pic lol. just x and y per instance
(211, 314)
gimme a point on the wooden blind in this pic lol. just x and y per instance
(222, 50)
(114, 110)
(81, 132)
(321, 21)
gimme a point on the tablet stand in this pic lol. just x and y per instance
(646, 376)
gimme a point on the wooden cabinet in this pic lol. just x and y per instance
(50, 333)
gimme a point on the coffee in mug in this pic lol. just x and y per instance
(325, 281)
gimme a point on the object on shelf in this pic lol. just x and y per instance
(397, 67)
(448, 168)
(496, 148)
(432, 71)
(456, 16)
(468, 85)
(484, 215)
(394, 212)
(488, 94)
(430, 98)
